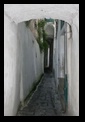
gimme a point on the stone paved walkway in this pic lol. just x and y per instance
(45, 101)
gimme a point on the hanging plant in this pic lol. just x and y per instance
(42, 35)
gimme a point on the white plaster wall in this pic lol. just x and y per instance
(21, 66)
(33, 28)
(31, 60)
(11, 68)
(27, 63)
(39, 61)
(75, 68)
(61, 57)
(72, 65)
(23, 12)
(60, 52)
(69, 43)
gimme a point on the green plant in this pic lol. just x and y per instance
(42, 35)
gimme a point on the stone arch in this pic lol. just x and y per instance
(23, 12)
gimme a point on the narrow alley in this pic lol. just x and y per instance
(41, 60)
(45, 101)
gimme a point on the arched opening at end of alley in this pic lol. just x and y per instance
(41, 60)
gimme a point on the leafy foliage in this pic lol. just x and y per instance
(42, 35)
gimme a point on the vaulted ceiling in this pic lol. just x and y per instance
(23, 12)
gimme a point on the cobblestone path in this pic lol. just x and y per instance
(45, 101)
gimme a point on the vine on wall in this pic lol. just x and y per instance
(42, 36)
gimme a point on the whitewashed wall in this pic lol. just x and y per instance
(69, 48)
(23, 64)
(61, 57)
(72, 65)
(31, 59)
(75, 68)
(59, 53)
(11, 68)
